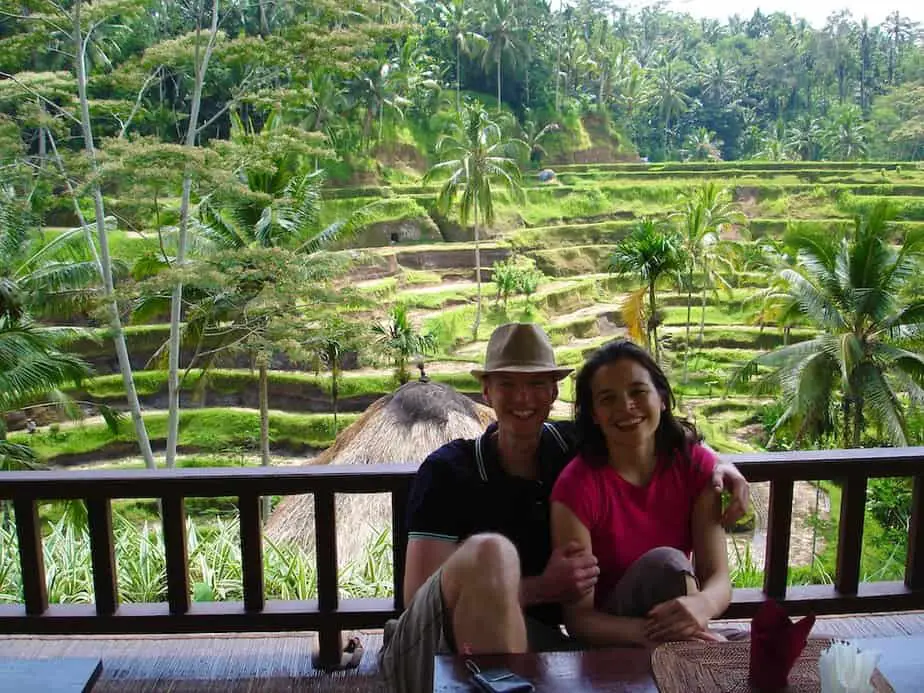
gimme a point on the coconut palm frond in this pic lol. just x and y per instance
(632, 310)
(880, 397)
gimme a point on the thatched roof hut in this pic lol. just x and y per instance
(403, 427)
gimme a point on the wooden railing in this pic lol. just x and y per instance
(329, 615)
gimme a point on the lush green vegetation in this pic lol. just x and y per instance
(293, 212)
(203, 430)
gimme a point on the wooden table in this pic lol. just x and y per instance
(624, 670)
(610, 670)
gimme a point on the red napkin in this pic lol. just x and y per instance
(776, 643)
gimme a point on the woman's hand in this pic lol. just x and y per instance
(725, 476)
(684, 618)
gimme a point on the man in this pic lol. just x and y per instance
(480, 573)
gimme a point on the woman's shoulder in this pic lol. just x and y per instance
(701, 455)
(578, 470)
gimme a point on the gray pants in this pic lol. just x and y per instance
(424, 631)
(656, 577)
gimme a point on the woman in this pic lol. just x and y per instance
(638, 496)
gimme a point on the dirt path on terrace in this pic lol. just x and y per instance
(432, 367)
(800, 544)
(597, 309)
(276, 461)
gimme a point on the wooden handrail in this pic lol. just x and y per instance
(329, 615)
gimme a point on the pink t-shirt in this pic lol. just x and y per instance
(626, 521)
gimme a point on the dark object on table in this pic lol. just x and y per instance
(607, 670)
(49, 674)
(776, 643)
(498, 680)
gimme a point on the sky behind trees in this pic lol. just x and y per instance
(816, 12)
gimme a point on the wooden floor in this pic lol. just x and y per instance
(280, 662)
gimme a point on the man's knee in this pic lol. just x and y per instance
(483, 562)
(494, 553)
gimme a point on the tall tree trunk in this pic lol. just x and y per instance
(477, 278)
(500, 58)
(42, 148)
(858, 423)
(264, 426)
(335, 388)
(702, 316)
(176, 299)
(115, 321)
(264, 22)
(653, 322)
(846, 412)
(526, 81)
(558, 74)
(458, 78)
(667, 122)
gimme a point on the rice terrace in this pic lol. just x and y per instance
(565, 230)
(294, 255)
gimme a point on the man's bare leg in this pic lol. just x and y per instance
(481, 589)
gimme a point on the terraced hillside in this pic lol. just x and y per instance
(569, 226)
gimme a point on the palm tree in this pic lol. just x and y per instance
(533, 135)
(718, 80)
(477, 158)
(232, 228)
(805, 137)
(849, 289)
(456, 20)
(776, 144)
(501, 33)
(671, 97)
(899, 30)
(651, 252)
(706, 210)
(373, 92)
(402, 341)
(845, 134)
(327, 347)
(702, 145)
(32, 366)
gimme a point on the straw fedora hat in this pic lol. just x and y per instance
(520, 347)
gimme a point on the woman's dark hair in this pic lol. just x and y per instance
(673, 436)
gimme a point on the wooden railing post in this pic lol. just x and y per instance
(102, 556)
(914, 565)
(251, 551)
(325, 522)
(31, 559)
(174, 519)
(399, 540)
(779, 527)
(850, 535)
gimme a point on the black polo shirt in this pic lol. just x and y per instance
(461, 489)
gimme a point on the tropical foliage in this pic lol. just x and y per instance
(652, 252)
(477, 158)
(865, 364)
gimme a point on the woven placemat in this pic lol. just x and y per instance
(684, 667)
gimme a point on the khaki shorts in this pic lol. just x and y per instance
(411, 642)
